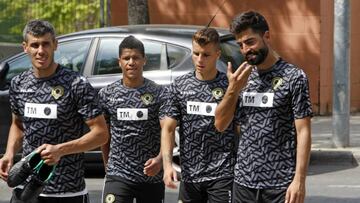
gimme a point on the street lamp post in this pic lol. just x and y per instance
(341, 84)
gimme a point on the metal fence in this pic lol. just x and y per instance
(66, 15)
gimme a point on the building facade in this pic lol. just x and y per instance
(301, 32)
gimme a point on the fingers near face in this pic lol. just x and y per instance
(244, 67)
(244, 74)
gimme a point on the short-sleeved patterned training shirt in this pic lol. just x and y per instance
(205, 154)
(53, 111)
(135, 128)
(268, 107)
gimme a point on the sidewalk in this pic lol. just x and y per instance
(322, 148)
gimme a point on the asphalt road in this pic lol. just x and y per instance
(333, 184)
(325, 184)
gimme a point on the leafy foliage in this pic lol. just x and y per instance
(66, 15)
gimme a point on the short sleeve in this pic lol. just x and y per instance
(12, 97)
(86, 98)
(171, 106)
(102, 98)
(300, 97)
(162, 100)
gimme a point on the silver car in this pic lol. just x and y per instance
(94, 53)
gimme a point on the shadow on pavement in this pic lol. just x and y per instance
(316, 169)
(335, 157)
(318, 199)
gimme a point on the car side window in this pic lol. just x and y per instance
(175, 55)
(17, 66)
(230, 51)
(71, 54)
(108, 53)
(153, 55)
(107, 57)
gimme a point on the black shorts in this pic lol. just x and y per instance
(213, 191)
(243, 194)
(118, 190)
(40, 199)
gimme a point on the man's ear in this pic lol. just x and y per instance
(24, 45)
(119, 62)
(56, 44)
(218, 53)
(267, 35)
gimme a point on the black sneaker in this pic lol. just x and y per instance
(37, 182)
(22, 169)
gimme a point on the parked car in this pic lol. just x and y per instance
(94, 53)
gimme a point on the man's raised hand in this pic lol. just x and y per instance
(239, 78)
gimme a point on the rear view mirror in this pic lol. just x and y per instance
(4, 68)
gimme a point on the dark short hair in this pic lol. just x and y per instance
(205, 36)
(130, 42)
(38, 28)
(249, 19)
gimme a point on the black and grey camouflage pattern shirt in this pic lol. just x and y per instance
(205, 154)
(133, 115)
(268, 107)
(53, 111)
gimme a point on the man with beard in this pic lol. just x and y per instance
(273, 108)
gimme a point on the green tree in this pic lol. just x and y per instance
(66, 15)
(11, 19)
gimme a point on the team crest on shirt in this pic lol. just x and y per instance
(147, 98)
(276, 82)
(57, 92)
(110, 198)
(217, 92)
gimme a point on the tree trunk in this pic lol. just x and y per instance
(138, 12)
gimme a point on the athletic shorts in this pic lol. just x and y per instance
(213, 191)
(119, 190)
(243, 194)
(40, 199)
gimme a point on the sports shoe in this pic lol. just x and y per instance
(37, 182)
(22, 169)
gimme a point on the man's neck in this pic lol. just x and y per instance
(210, 75)
(133, 83)
(46, 72)
(270, 60)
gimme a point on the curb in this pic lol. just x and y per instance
(329, 156)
